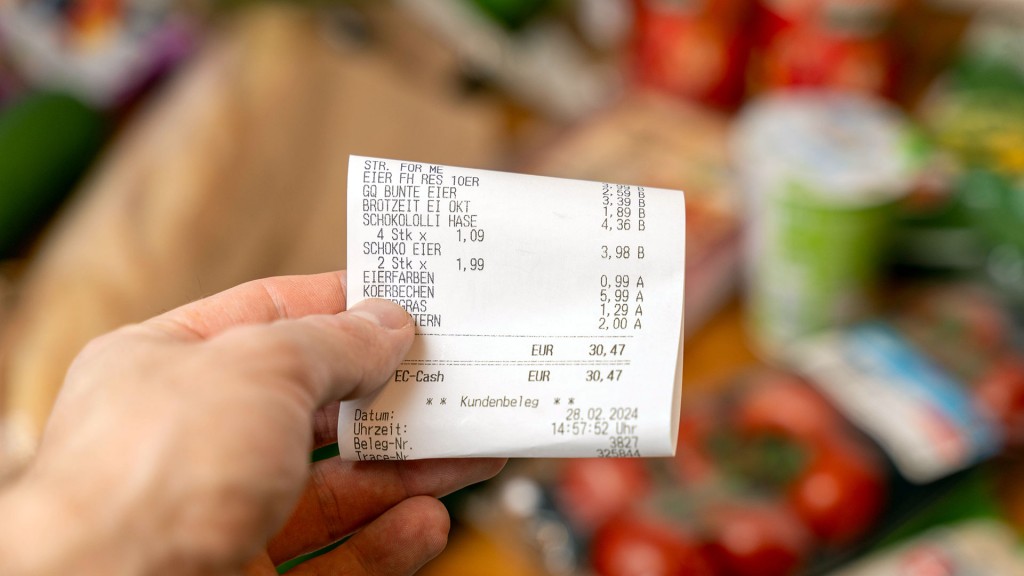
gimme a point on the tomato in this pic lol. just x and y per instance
(634, 545)
(783, 404)
(799, 445)
(592, 490)
(694, 463)
(841, 491)
(755, 539)
(777, 438)
(1000, 391)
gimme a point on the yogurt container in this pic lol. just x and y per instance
(821, 173)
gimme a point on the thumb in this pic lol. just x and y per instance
(334, 356)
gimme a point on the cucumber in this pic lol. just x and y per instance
(47, 141)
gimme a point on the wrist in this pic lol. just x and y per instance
(46, 532)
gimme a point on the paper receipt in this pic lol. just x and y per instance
(548, 313)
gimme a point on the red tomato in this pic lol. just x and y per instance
(697, 422)
(592, 490)
(783, 404)
(838, 486)
(841, 492)
(1001, 392)
(634, 545)
(755, 539)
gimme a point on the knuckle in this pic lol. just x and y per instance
(266, 354)
(99, 349)
(287, 358)
(360, 348)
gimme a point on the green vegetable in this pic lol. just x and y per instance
(47, 141)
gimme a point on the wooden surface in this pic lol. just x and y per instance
(237, 171)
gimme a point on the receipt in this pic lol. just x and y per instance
(548, 313)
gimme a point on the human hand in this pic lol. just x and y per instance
(181, 445)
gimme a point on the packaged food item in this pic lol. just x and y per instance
(930, 426)
(821, 173)
(966, 329)
(695, 49)
(842, 44)
(945, 366)
(970, 548)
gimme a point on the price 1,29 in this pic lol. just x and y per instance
(471, 265)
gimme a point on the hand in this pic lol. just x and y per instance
(181, 445)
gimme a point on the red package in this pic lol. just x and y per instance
(695, 49)
(842, 44)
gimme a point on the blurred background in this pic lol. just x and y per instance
(854, 175)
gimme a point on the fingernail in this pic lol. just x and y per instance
(383, 312)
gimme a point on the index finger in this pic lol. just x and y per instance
(256, 302)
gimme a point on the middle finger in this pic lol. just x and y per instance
(343, 496)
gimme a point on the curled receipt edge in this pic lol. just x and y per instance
(549, 313)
